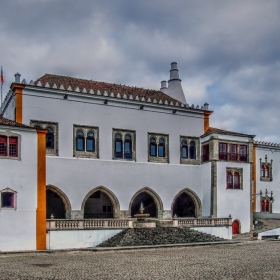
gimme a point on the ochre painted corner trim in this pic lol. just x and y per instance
(17, 89)
(41, 211)
(206, 120)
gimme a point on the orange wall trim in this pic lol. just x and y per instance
(206, 120)
(254, 175)
(41, 211)
(17, 89)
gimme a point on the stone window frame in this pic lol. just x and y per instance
(85, 129)
(234, 170)
(45, 125)
(267, 165)
(266, 200)
(9, 134)
(158, 136)
(188, 160)
(124, 132)
(8, 190)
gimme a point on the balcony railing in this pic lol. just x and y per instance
(202, 222)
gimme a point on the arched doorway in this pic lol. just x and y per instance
(100, 203)
(55, 205)
(235, 227)
(186, 204)
(183, 206)
(58, 204)
(151, 202)
(148, 203)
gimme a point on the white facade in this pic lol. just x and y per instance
(19, 176)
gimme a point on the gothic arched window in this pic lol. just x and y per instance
(80, 141)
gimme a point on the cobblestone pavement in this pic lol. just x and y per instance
(251, 260)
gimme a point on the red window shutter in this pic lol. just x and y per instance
(267, 206)
(3, 145)
(13, 146)
(262, 206)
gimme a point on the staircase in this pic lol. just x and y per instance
(157, 236)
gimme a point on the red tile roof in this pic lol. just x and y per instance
(226, 132)
(4, 121)
(82, 84)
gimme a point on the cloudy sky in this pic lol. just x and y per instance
(228, 52)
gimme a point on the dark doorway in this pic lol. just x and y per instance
(183, 206)
(55, 206)
(235, 227)
(98, 206)
(148, 203)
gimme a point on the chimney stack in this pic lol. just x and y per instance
(17, 78)
(163, 87)
(175, 89)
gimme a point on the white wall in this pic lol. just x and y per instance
(18, 227)
(234, 201)
(71, 239)
(222, 232)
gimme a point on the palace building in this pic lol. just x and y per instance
(85, 154)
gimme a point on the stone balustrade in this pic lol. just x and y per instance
(72, 224)
(67, 224)
(202, 222)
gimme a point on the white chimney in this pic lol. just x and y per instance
(163, 87)
(175, 89)
(17, 78)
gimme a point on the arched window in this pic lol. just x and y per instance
(50, 138)
(127, 147)
(236, 180)
(161, 148)
(3, 145)
(184, 149)
(192, 150)
(229, 180)
(80, 141)
(90, 142)
(118, 146)
(153, 147)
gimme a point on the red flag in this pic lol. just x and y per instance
(2, 76)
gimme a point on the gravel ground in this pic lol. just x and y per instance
(250, 260)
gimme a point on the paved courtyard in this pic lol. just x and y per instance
(252, 260)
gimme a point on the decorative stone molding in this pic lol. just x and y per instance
(266, 202)
(54, 127)
(12, 197)
(154, 195)
(9, 134)
(85, 130)
(234, 170)
(123, 133)
(266, 170)
(188, 160)
(157, 158)
(114, 200)
(195, 199)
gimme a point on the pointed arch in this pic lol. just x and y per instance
(155, 197)
(196, 200)
(236, 226)
(62, 196)
(111, 196)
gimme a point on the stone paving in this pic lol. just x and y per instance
(250, 260)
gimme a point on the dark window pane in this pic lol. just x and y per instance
(127, 137)
(90, 145)
(80, 144)
(118, 136)
(161, 152)
(184, 152)
(3, 145)
(109, 209)
(153, 150)
(104, 208)
(118, 149)
(7, 199)
(49, 141)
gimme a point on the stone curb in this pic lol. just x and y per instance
(102, 249)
